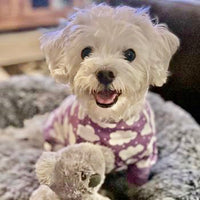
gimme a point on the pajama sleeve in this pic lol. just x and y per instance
(56, 127)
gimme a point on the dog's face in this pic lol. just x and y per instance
(110, 56)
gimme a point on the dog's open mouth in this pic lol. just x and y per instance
(106, 98)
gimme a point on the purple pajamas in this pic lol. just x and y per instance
(133, 142)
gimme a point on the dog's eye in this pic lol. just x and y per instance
(129, 55)
(86, 52)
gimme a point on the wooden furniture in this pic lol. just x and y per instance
(19, 47)
(23, 46)
(20, 14)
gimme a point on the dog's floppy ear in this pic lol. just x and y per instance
(165, 45)
(45, 166)
(52, 44)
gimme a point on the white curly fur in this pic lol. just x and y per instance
(110, 31)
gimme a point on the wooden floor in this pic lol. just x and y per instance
(19, 47)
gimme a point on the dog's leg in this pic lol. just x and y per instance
(137, 176)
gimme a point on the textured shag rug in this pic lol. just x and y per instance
(23, 97)
(175, 176)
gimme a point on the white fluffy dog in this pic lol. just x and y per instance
(109, 57)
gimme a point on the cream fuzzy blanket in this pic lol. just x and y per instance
(175, 176)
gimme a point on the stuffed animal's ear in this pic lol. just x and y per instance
(165, 45)
(45, 166)
(52, 44)
(109, 158)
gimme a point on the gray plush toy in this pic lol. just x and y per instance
(73, 173)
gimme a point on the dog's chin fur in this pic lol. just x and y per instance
(110, 31)
(124, 109)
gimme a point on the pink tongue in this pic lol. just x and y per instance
(105, 97)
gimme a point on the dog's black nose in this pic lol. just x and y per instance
(105, 77)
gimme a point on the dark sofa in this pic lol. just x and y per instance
(183, 19)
